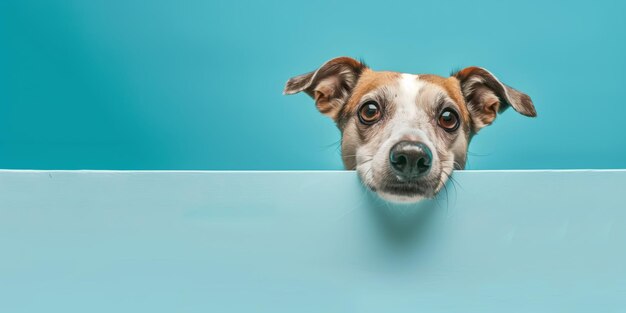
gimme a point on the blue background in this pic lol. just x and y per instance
(169, 84)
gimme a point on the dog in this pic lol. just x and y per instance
(404, 134)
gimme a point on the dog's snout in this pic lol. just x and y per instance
(410, 159)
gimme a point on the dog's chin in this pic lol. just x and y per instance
(404, 193)
(401, 198)
(395, 191)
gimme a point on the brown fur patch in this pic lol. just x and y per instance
(368, 81)
(452, 87)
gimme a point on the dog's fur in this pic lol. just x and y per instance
(411, 106)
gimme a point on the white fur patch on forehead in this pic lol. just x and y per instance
(409, 121)
(409, 87)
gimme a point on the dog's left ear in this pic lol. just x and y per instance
(330, 85)
(486, 96)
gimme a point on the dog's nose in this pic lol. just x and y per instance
(410, 159)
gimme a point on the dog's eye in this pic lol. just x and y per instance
(370, 113)
(448, 120)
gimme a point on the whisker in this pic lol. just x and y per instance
(447, 194)
(454, 181)
(368, 170)
(353, 155)
(332, 144)
(478, 154)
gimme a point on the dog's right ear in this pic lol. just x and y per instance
(486, 96)
(330, 85)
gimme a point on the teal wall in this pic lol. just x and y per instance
(310, 242)
(167, 84)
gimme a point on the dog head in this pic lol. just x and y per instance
(404, 133)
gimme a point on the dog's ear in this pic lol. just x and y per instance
(330, 85)
(486, 96)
